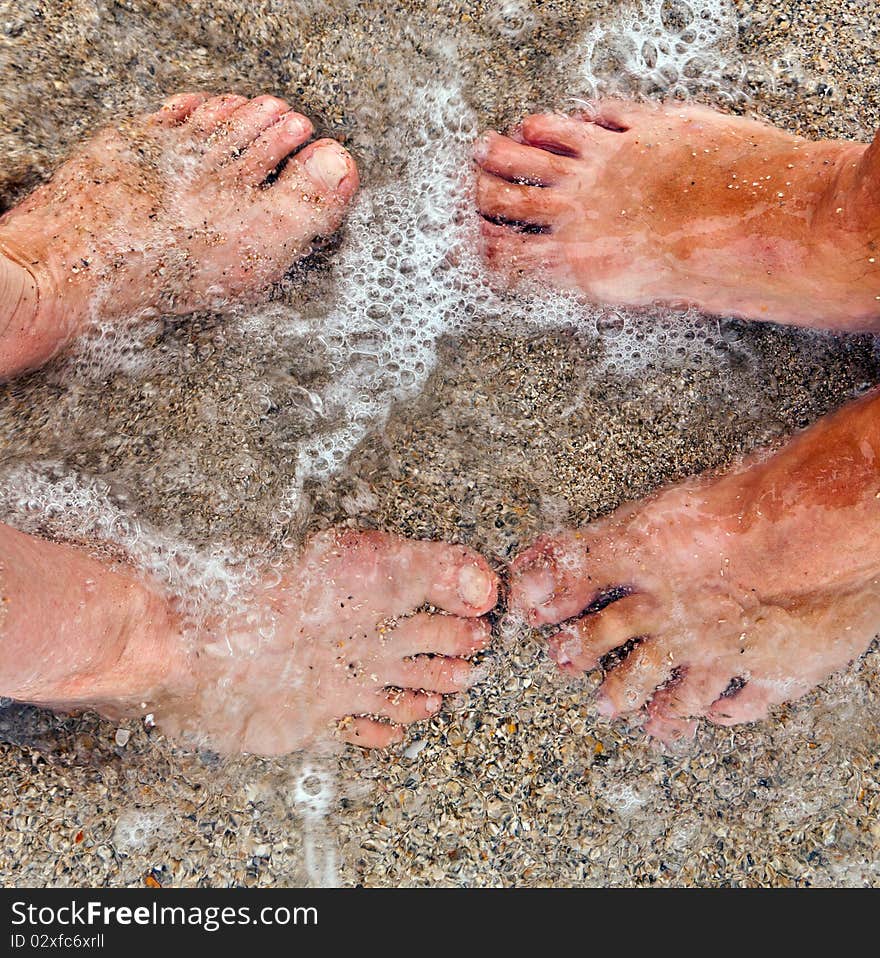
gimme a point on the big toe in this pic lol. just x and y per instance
(451, 577)
(329, 167)
(548, 582)
(401, 575)
(267, 151)
(314, 188)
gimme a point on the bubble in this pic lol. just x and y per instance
(511, 19)
(312, 785)
(312, 792)
(138, 829)
(652, 47)
(611, 325)
(44, 497)
(675, 15)
(407, 275)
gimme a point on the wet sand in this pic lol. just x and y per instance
(519, 782)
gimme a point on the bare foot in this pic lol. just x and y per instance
(640, 203)
(340, 642)
(721, 598)
(344, 641)
(177, 210)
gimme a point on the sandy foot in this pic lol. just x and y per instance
(186, 208)
(636, 204)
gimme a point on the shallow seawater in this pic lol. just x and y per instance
(389, 384)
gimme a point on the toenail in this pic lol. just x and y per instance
(328, 167)
(297, 123)
(474, 585)
(481, 148)
(605, 706)
(559, 647)
(538, 586)
(433, 702)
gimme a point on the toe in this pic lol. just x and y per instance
(512, 251)
(247, 121)
(693, 694)
(369, 733)
(287, 134)
(563, 135)
(558, 577)
(752, 701)
(317, 183)
(440, 635)
(328, 166)
(632, 683)
(401, 575)
(583, 642)
(209, 115)
(520, 163)
(404, 706)
(544, 580)
(177, 108)
(749, 704)
(434, 674)
(454, 579)
(513, 202)
(671, 710)
(668, 728)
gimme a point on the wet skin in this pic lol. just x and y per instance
(684, 205)
(735, 594)
(338, 648)
(720, 596)
(197, 205)
(176, 210)
(718, 624)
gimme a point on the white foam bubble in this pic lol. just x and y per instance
(410, 275)
(625, 799)
(679, 49)
(511, 19)
(313, 790)
(670, 47)
(139, 829)
(44, 498)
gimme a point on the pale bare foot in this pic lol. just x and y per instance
(344, 644)
(641, 203)
(340, 645)
(721, 598)
(182, 209)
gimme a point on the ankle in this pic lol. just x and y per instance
(152, 665)
(30, 328)
(142, 662)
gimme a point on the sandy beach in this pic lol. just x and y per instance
(519, 782)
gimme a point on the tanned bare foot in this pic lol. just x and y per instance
(721, 598)
(340, 641)
(177, 210)
(637, 203)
